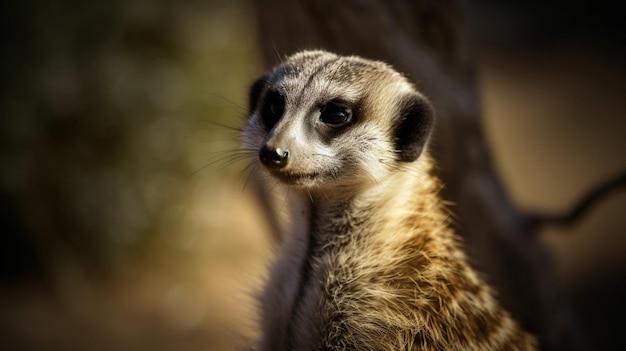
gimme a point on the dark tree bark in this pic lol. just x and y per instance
(427, 41)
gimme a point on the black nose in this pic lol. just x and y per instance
(273, 157)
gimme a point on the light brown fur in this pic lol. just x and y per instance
(370, 262)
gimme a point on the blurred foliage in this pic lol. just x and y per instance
(107, 109)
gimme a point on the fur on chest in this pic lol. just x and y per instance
(356, 288)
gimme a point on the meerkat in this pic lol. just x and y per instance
(370, 261)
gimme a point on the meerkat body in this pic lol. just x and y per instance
(369, 262)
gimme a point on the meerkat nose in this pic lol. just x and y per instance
(273, 157)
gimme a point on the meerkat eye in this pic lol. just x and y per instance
(335, 114)
(273, 109)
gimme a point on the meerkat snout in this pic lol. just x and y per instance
(273, 157)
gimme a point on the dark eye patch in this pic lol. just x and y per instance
(273, 108)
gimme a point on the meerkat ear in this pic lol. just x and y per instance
(255, 93)
(416, 124)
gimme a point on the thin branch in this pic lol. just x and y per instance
(583, 206)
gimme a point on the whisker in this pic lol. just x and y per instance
(232, 152)
(230, 157)
(278, 56)
(233, 139)
(232, 161)
(249, 170)
(226, 126)
(237, 106)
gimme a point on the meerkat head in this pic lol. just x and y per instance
(321, 121)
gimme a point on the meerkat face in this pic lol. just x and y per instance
(322, 121)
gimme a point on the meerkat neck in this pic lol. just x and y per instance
(401, 194)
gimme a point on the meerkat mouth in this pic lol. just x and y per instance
(301, 179)
(289, 177)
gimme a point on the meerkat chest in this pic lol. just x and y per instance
(368, 284)
(340, 300)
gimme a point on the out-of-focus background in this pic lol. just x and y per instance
(124, 218)
(117, 234)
